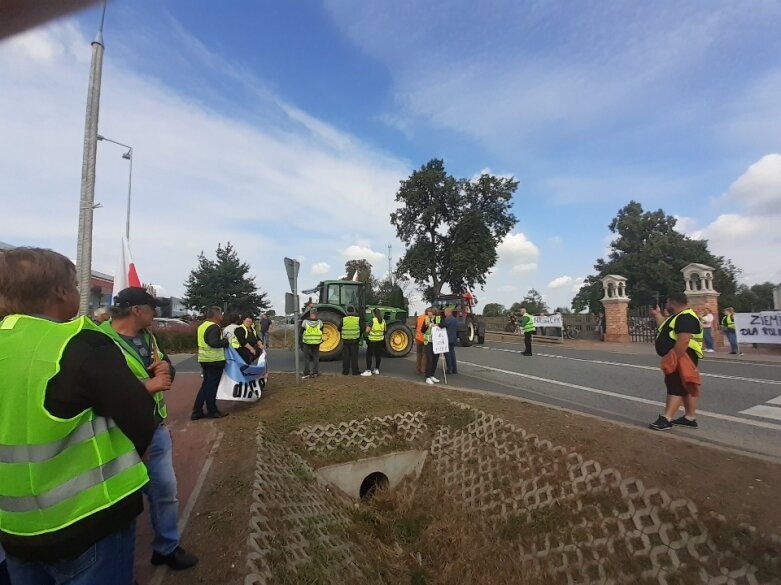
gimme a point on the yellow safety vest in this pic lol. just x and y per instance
(351, 329)
(313, 335)
(695, 343)
(729, 322)
(427, 334)
(377, 332)
(207, 353)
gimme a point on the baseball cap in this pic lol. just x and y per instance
(136, 296)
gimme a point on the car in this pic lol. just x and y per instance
(164, 322)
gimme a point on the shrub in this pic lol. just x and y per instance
(177, 339)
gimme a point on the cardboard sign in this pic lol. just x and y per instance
(764, 327)
(548, 321)
(439, 340)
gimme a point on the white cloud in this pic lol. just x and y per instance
(759, 188)
(321, 268)
(201, 175)
(516, 249)
(362, 251)
(560, 281)
(524, 268)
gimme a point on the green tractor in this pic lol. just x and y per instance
(334, 297)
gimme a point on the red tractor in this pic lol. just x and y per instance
(471, 326)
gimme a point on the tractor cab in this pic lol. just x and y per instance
(462, 305)
(339, 293)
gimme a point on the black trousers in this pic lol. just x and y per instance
(527, 342)
(350, 357)
(374, 348)
(432, 359)
(212, 372)
(311, 356)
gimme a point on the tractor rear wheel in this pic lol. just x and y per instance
(331, 347)
(398, 340)
(468, 335)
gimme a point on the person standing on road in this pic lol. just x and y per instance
(680, 333)
(312, 338)
(375, 343)
(74, 424)
(265, 329)
(351, 336)
(728, 325)
(528, 328)
(131, 316)
(706, 318)
(211, 356)
(451, 325)
(420, 344)
(432, 359)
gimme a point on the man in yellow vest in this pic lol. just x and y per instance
(131, 316)
(312, 338)
(527, 325)
(74, 423)
(211, 356)
(681, 332)
(728, 326)
(351, 335)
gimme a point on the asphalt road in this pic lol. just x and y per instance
(740, 404)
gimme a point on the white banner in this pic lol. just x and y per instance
(439, 340)
(764, 327)
(239, 381)
(548, 321)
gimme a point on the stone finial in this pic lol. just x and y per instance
(698, 278)
(614, 287)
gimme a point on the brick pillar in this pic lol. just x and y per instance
(616, 305)
(616, 320)
(698, 281)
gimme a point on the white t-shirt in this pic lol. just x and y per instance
(707, 320)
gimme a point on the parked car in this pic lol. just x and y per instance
(165, 322)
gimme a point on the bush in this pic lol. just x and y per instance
(177, 339)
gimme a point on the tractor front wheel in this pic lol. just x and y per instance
(468, 336)
(398, 340)
(331, 347)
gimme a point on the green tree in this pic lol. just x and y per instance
(563, 310)
(532, 302)
(494, 310)
(758, 297)
(224, 283)
(650, 253)
(362, 266)
(451, 227)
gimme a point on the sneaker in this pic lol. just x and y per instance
(367, 373)
(305, 376)
(661, 424)
(376, 372)
(429, 380)
(197, 415)
(178, 560)
(710, 350)
(685, 422)
(435, 379)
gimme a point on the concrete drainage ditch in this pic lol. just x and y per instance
(505, 474)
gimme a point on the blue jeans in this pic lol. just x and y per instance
(732, 337)
(212, 372)
(708, 334)
(450, 359)
(161, 491)
(107, 561)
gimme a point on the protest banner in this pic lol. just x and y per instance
(548, 320)
(760, 327)
(439, 340)
(239, 381)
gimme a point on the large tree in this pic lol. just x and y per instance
(494, 310)
(650, 253)
(224, 283)
(533, 302)
(451, 227)
(758, 297)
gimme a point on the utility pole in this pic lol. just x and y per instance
(390, 264)
(87, 198)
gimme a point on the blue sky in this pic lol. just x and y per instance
(285, 127)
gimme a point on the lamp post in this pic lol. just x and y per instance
(127, 156)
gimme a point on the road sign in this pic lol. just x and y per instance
(291, 304)
(292, 266)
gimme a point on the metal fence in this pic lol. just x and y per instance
(642, 327)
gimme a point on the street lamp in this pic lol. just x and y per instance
(127, 156)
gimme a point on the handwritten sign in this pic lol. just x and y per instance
(439, 340)
(548, 321)
(764, 327)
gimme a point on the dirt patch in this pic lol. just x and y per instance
(423, 534)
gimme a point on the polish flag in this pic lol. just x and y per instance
(355, 276)
(126, 274)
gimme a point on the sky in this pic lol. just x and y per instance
(285, 128)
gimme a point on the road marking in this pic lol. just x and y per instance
(764, 411)
(636, 366)
(726, 417)
(776, 400)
